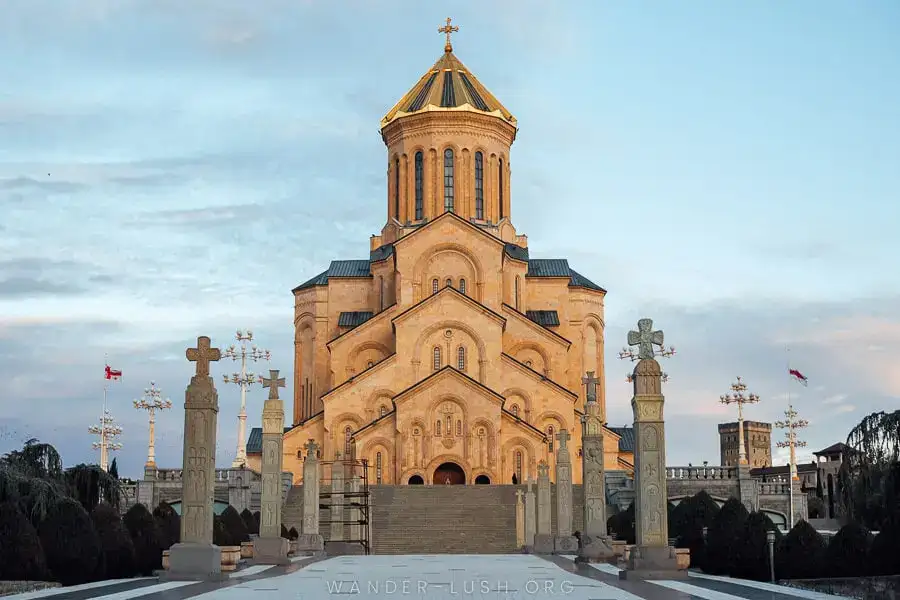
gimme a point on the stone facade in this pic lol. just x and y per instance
(757, 443)
(449, 351)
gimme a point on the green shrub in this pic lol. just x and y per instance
(885, 551)
(249, 522)
(169, 524)
(257, 517)
(801, 554)
(70, 542)
(815, 507)
(753, 547)
(722, 538)
(21, 555)
(221, 535)
(621, 525)
(146, 537)
(233, 522)
(115, 543)
(284, 532)
(293, 534)
(848, 552)
(698, 512)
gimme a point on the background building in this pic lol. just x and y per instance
(757, 443)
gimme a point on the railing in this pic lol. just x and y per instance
(129, 494)
(176, 474)
(701, 472)
(768, 489)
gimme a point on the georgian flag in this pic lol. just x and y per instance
(799, 376)
(113, 374)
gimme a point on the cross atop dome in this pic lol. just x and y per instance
(448, 29)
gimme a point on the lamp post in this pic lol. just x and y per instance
(770, 540)
(152, 401)
(244, 380)
(791, 424)
(108, 431)
(739, 396)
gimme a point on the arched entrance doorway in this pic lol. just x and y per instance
(449, 474)
(416, 480)
(482, 480)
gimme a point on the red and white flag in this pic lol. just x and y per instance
(113, 374)
(798, 376)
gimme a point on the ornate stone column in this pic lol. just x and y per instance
(520, 519)
(337, 498)
(270, 548)
(311, 539)
(652, 557)
(543, 539)
(595, 543)
(530, 525)
(564, 542)
(195, 557)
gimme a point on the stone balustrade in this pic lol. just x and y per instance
(175, 474)
(702, 472)
(771, 489)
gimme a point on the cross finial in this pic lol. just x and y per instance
(591, 382)
(203, 354)
(563, 437)
(311, 448)
(645, 338)
(273, 383)
(448, 29)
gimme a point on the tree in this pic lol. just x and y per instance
(801, 554)
(115, 543)
(723, 536)
(221, 536)
(169, 524)
(815, 507)
(885, 551)
(70, 543)
(870, 473)
(114, 469)
(90, 485)
(698, 513)
(621, 525)
(257, 516)
(21, 553)
(249, 522)
(293, 534)
(284, 532)
(235, 526)
(753, 547)
(146, 537)
(848, 552)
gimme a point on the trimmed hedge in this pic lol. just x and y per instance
(284, 532)
(848, 552)
(885, 551)
(293, 534)
(21, 554)
(753, 547)
(235, 526)
(621, 525)
(801, 554)
(169, 524)
(70, 543)
(115, 542)
(146, 537)
(249, 522)
(723, 536)
(698, 512)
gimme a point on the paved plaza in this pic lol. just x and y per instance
(436, 577)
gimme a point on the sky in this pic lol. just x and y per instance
(172, 169)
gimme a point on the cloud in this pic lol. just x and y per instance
(25, 184)
(35, 277)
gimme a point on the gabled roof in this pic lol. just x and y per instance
(354, 318)
(459, 219)
(356, 376)
(626, 438)
(522, 422)
(544, 318)
(838, 448)
(540, 376)
(559, 267)
(254, 440)
(449, 370)
(338, 268)
(449, 289)
(544, 330)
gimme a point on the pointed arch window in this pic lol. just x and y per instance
(461, 358)
(382, 410)
(434, 286)
(462, 286)
(500, 189)
(437, 427)
(397, 188)
(448, 282)
(518, 465)
(448, 180)
(420, 176)
(514, 410)
(479, 185)
(550, 437)
(458, 428)
(370, 364)
(378, 468)
(436, 358)
(348, 441)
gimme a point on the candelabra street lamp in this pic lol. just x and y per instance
(108, 431)
(244, 379)
(152, 401)
(791, 424)
(739, 396)
(645, 339)
(770, 540)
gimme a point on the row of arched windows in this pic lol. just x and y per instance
(436, 285)
(449, 184)
(437, 358)
(448, 430)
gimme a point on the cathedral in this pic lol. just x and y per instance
(449, 355)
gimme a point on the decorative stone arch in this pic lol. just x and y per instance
(456, 459)
(551, 415)
(525, 415)
(405, 475)
(369, 452)
(479, 344)
(492, 477)
(304, 320)
(367, 345)
(538, 349)
(432, 408)
(528, 460)
(447, 247)
(492, 439)
(377, 398)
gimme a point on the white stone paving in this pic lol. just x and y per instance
(771, 587)
(693, 590)
(49, 592)
(251, 570)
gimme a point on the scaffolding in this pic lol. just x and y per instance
(355, 511)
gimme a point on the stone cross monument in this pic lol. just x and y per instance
(595, 542)
(530, 525)
(310, 539)
(651, 557)
(195, 557)
(564, 542)
(337, 498)
(543, 538)
(270, 548)
(520, 519)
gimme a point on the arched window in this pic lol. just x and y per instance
(461, 358)
(458, 428)
(370, 364)
(462, 286)
(448, 282)
(437, 427)
(514, 410)
(550, 437)
(420, 175)
(479, 185)
(437, 357)
(434, 286)
(518, 465)
(516, 292)
(382, 410)
(348, 443)
(378, 468)
(448, 180)
(397, 189)
(501, 188)
(528, 363)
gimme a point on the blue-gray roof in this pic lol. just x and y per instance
(381, 252)
(545, 318)
(626, 443)
(353, 319)
(339, 268)
(254, 441)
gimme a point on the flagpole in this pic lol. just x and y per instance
(791, 454)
